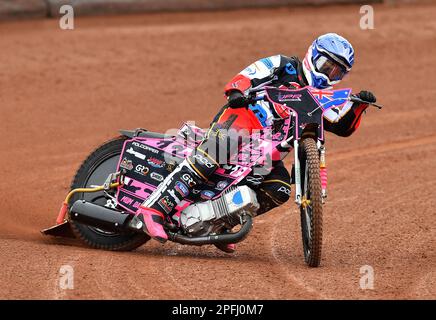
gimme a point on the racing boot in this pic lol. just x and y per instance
(227, 248)
(153, 221)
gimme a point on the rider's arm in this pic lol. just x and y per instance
(256, 74)
(344, 121)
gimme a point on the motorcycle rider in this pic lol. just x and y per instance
(328, 60)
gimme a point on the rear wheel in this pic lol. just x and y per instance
(93, 172)
(311, 207)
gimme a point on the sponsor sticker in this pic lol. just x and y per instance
(130, 202)
(250, 70)
(166, 204)
(174, 196)
(204, 161)
(289, 97)
(142, 169)
(126, 200)
(255, 180)
(221, 185)
(156, 176)
(155, 163)
(236, 84)
(207, 194)
(170, 166)
(188, 179)
(285, 190)
(182, 189)
(136, 204)
(136, 154)
(145, 147)
(237, 198)
(126, 164)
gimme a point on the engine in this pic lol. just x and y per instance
(207, 217)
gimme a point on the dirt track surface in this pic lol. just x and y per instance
(62, 93)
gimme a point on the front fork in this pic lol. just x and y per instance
(297, 172)
(297, 176)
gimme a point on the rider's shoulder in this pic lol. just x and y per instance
(289, 58)
(285, 60)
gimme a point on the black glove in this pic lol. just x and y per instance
(236, 100)
(367, 96)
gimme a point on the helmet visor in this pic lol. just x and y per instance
(330, 68)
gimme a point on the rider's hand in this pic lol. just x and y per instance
(367, 96)
(236, 99)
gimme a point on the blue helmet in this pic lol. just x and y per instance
(328, 60)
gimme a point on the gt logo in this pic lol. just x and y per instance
(285, 190)
(204, 161)
(142, 169)
(189, 180)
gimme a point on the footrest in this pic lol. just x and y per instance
(59, 230)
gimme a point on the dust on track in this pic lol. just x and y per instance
(64, 92)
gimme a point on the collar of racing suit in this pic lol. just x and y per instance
(300, 73)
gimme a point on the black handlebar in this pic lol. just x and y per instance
(358, 100)
(253, 99)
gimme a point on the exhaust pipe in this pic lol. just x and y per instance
(104, 218)
(215, 239)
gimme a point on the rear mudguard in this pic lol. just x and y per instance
(143, 133)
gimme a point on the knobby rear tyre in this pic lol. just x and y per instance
(93, 171)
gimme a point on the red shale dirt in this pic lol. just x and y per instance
(62, 93)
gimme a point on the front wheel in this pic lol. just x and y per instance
(311, 206)
(93, 172)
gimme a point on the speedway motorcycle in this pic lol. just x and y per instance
(119, 175)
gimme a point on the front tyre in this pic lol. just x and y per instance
(311, 207)
(93, 172)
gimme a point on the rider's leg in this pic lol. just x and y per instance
(272, 192)
(195, 169)
(275, 189)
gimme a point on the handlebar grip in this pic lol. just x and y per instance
(358, 100)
